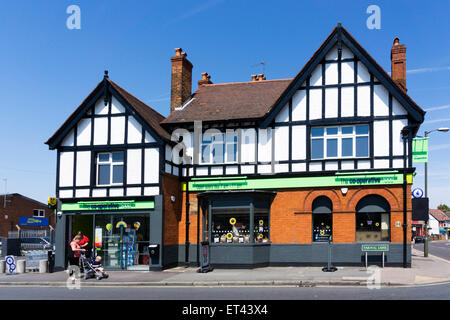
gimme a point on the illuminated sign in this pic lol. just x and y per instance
(107, 205)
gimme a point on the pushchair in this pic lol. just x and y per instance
(89, 271)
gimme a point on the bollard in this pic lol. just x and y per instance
(2, 266)
(20, 266)
(43, 266)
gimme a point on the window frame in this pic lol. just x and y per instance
(39, 213)
(111, 164)
(325, 137)
(213, 142)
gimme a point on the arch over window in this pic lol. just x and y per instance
(373, 219)
(322, 209)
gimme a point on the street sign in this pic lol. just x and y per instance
(375, 247)
(420, 150)
(417, 193)
(11, 264)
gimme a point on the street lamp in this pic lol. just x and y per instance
(425, 243)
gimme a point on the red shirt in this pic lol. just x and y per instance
(84, 240)
(74, 246)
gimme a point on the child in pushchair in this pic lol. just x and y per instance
(92, 267)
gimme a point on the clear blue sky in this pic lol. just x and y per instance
(46, 70)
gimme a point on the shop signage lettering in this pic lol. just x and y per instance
(35, 222)
(375, 247)
(298, 182)
(107, 205)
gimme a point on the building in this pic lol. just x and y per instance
(17, 210)
(441, 223)
(268, 171)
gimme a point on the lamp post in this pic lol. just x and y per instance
(425, 243)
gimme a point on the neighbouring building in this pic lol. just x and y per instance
(439, 223)
(20, 212)
(268, 171)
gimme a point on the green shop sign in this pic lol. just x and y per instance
(375, 247)
(338, 180)
(107, 205)
(420, 150)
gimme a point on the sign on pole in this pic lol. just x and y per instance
(420, 150)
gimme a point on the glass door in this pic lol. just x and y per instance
(122, 241)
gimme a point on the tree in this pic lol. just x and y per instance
(443, 207)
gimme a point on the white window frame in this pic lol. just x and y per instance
(227, 143)
(339, 136)
(41, 213)
(218, 141)
(111, 169)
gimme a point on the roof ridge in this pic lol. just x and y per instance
(228, 83)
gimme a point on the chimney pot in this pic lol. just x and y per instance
(254, 78)
(261, 77)
(205, 79)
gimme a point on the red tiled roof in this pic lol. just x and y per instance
(236, 100)
(439, 215)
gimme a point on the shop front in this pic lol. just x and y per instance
(296, 222)
(119, 231)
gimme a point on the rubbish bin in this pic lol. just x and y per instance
(51, 261)
(153, 251)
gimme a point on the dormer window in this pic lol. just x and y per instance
(110, 167)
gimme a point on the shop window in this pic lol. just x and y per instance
(230, 225)
(110, 167)
(340, 142)
(261, 225)
(372, 219)
(322, 209)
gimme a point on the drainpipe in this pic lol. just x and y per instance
(406, 134)
(198, 232)
(187, 225)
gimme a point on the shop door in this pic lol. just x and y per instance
(122, 241)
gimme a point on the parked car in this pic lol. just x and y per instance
(419, 239)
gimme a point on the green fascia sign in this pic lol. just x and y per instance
(107, 205)
(420, 150)
(375, 247)
(341, 180)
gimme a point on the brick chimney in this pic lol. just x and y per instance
(205, 79)
(181, 87)
(398, 64)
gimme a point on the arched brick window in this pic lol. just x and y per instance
(373, 219)
(322, 209)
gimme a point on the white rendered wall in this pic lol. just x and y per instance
(66, 169)
(83, 168)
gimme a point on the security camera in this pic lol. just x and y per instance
(59, 213)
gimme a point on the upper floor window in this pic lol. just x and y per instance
(219, 148)
(340, 142)
(110, 168)
(38, 213)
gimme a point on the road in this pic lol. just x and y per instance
(437, 248)
(431, 292)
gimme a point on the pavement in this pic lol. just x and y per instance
(424, 271)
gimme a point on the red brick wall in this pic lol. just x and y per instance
(291, 213)
(19, 206)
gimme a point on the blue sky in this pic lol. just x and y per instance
(46, 70)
